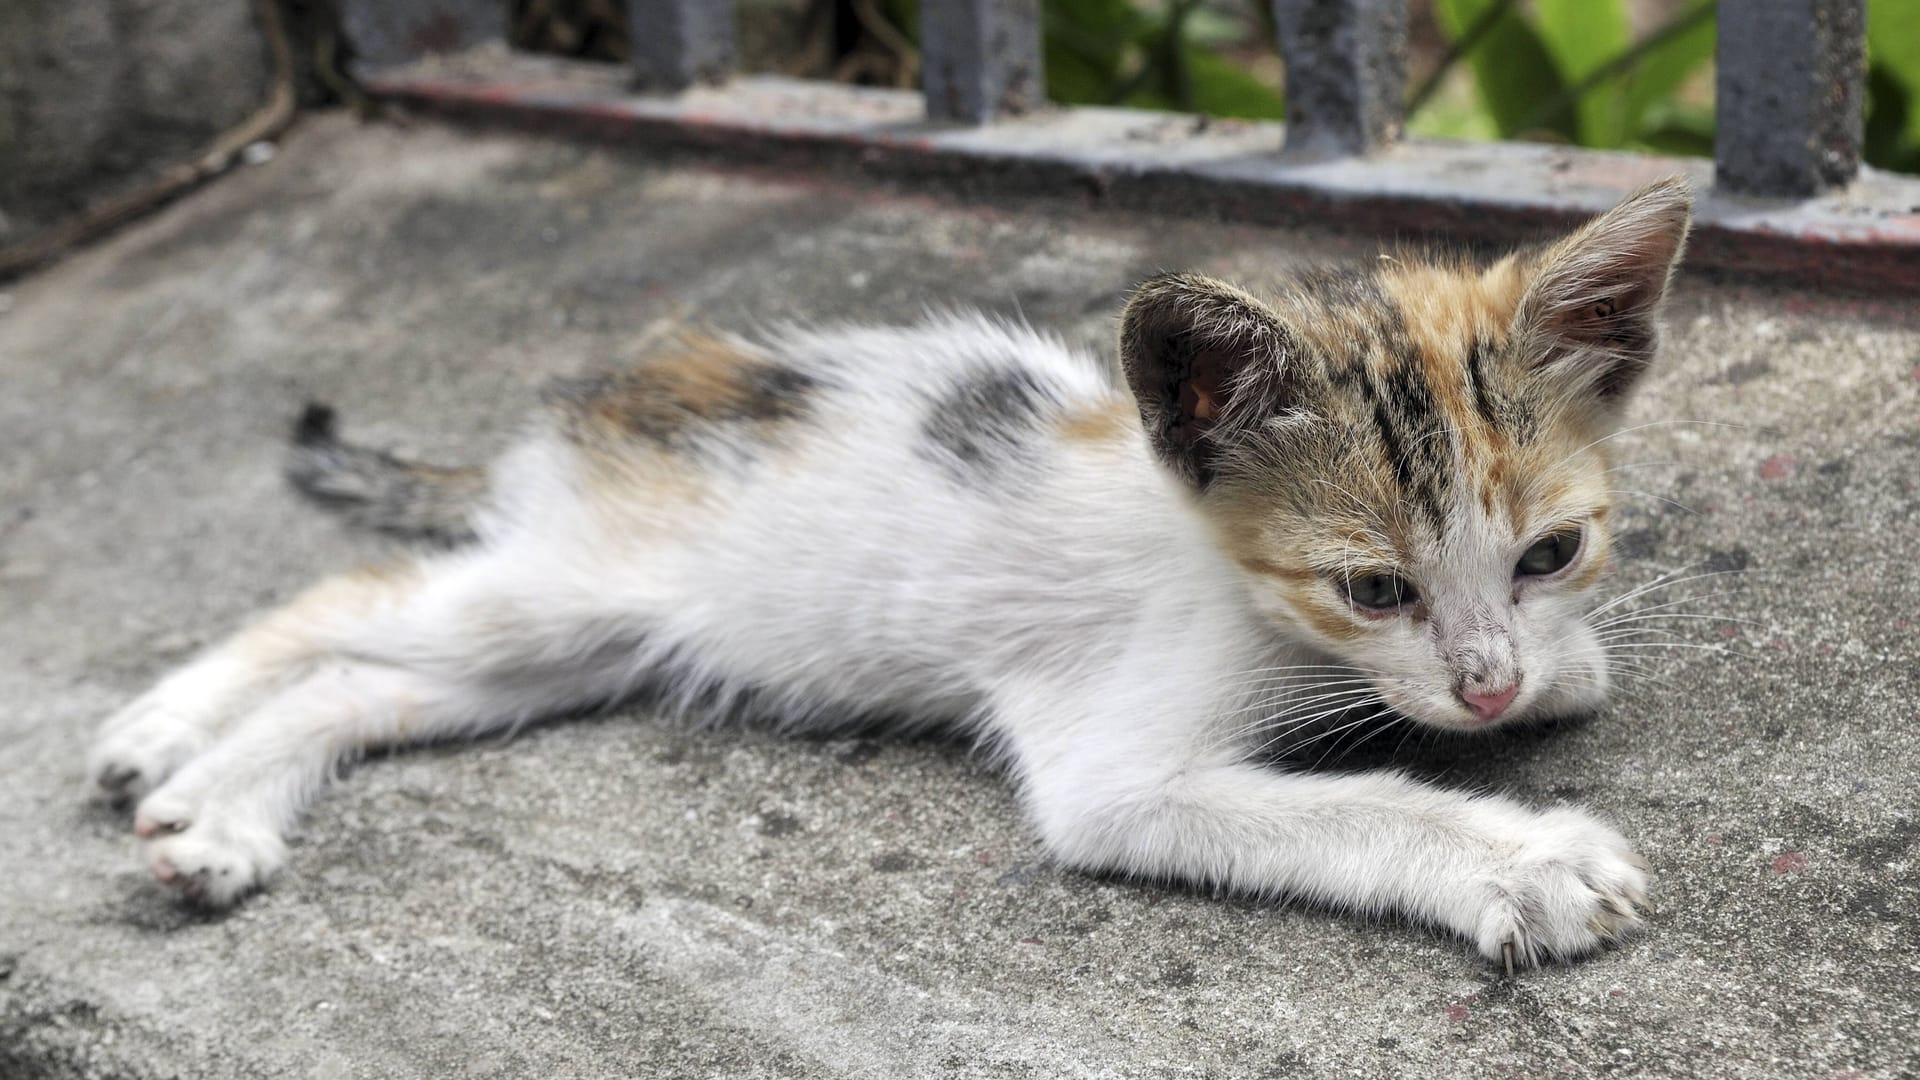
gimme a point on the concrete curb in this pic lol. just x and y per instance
(1865, 239)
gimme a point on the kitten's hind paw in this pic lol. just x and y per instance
(1572, 887)
(208, 854)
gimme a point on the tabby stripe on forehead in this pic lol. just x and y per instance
(1477, 374)
(1396, 449)
(1411, 426)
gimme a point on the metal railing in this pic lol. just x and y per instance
(1790, 84)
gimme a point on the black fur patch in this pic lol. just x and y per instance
(985, 423)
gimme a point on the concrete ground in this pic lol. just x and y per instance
(616, 898)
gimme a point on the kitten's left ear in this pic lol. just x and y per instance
(1590, 310)
(1203, 360)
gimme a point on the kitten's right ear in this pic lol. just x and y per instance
(1590, 312)
(1201, 357)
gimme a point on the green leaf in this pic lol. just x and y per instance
(1511, 67)
(1073, 78)
(1221, 89)
(1659, 75)
(1097, 32)
(1581, 36)
(1893, 80)
(1672, 128)
(1889, 113)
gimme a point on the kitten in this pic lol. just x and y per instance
(1380, 488)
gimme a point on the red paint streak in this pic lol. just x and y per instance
(1777, 467)
(1729, 631)
(1029, 941)
(1714, 839)
(1790, 863)
(984, 858)
(1457, 1013)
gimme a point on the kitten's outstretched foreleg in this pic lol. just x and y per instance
(1524, 886)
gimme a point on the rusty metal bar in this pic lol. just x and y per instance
(980, 58)
(1789, 100)
(385, 32)
(677, 43)
(1346, 74)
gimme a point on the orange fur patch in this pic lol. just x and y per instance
(1109, 421)
(705, 381)
(1316, 607)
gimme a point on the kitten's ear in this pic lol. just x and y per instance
(1590, 311)
(1201, 357)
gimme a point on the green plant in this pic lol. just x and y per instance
(1893, 85)
(1116, 52)
(1568, 71)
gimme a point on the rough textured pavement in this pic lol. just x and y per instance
(611, 897)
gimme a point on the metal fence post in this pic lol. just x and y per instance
(980, 58)
(1789, 101)
(677, 43)
(1346, 74)
(387, 32)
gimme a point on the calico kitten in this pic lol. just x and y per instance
(1380, 488)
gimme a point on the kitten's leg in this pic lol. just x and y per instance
(215, 829)
(451, 649)
(154, 735)
(1155, 801)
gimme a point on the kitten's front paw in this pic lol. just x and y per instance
(1568, 886)
(141, 746)
(209, 853)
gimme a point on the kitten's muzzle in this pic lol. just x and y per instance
(1489, 700)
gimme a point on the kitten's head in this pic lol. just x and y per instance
(1408, 461)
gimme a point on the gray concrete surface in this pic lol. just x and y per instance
(612, 897)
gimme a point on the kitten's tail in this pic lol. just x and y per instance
(376, 490)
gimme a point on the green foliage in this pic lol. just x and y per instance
(1511, 66)
(1558, 70)
(1893, 85)
(1582, 38)
(1113, 52)
(1570, 71)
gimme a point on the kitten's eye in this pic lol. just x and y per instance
(1381, 592)
(1549, 554)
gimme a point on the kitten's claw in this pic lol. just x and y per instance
(117, 777)
(1571, 887)
(146, 827)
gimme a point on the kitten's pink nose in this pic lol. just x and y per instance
(1489, 704)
